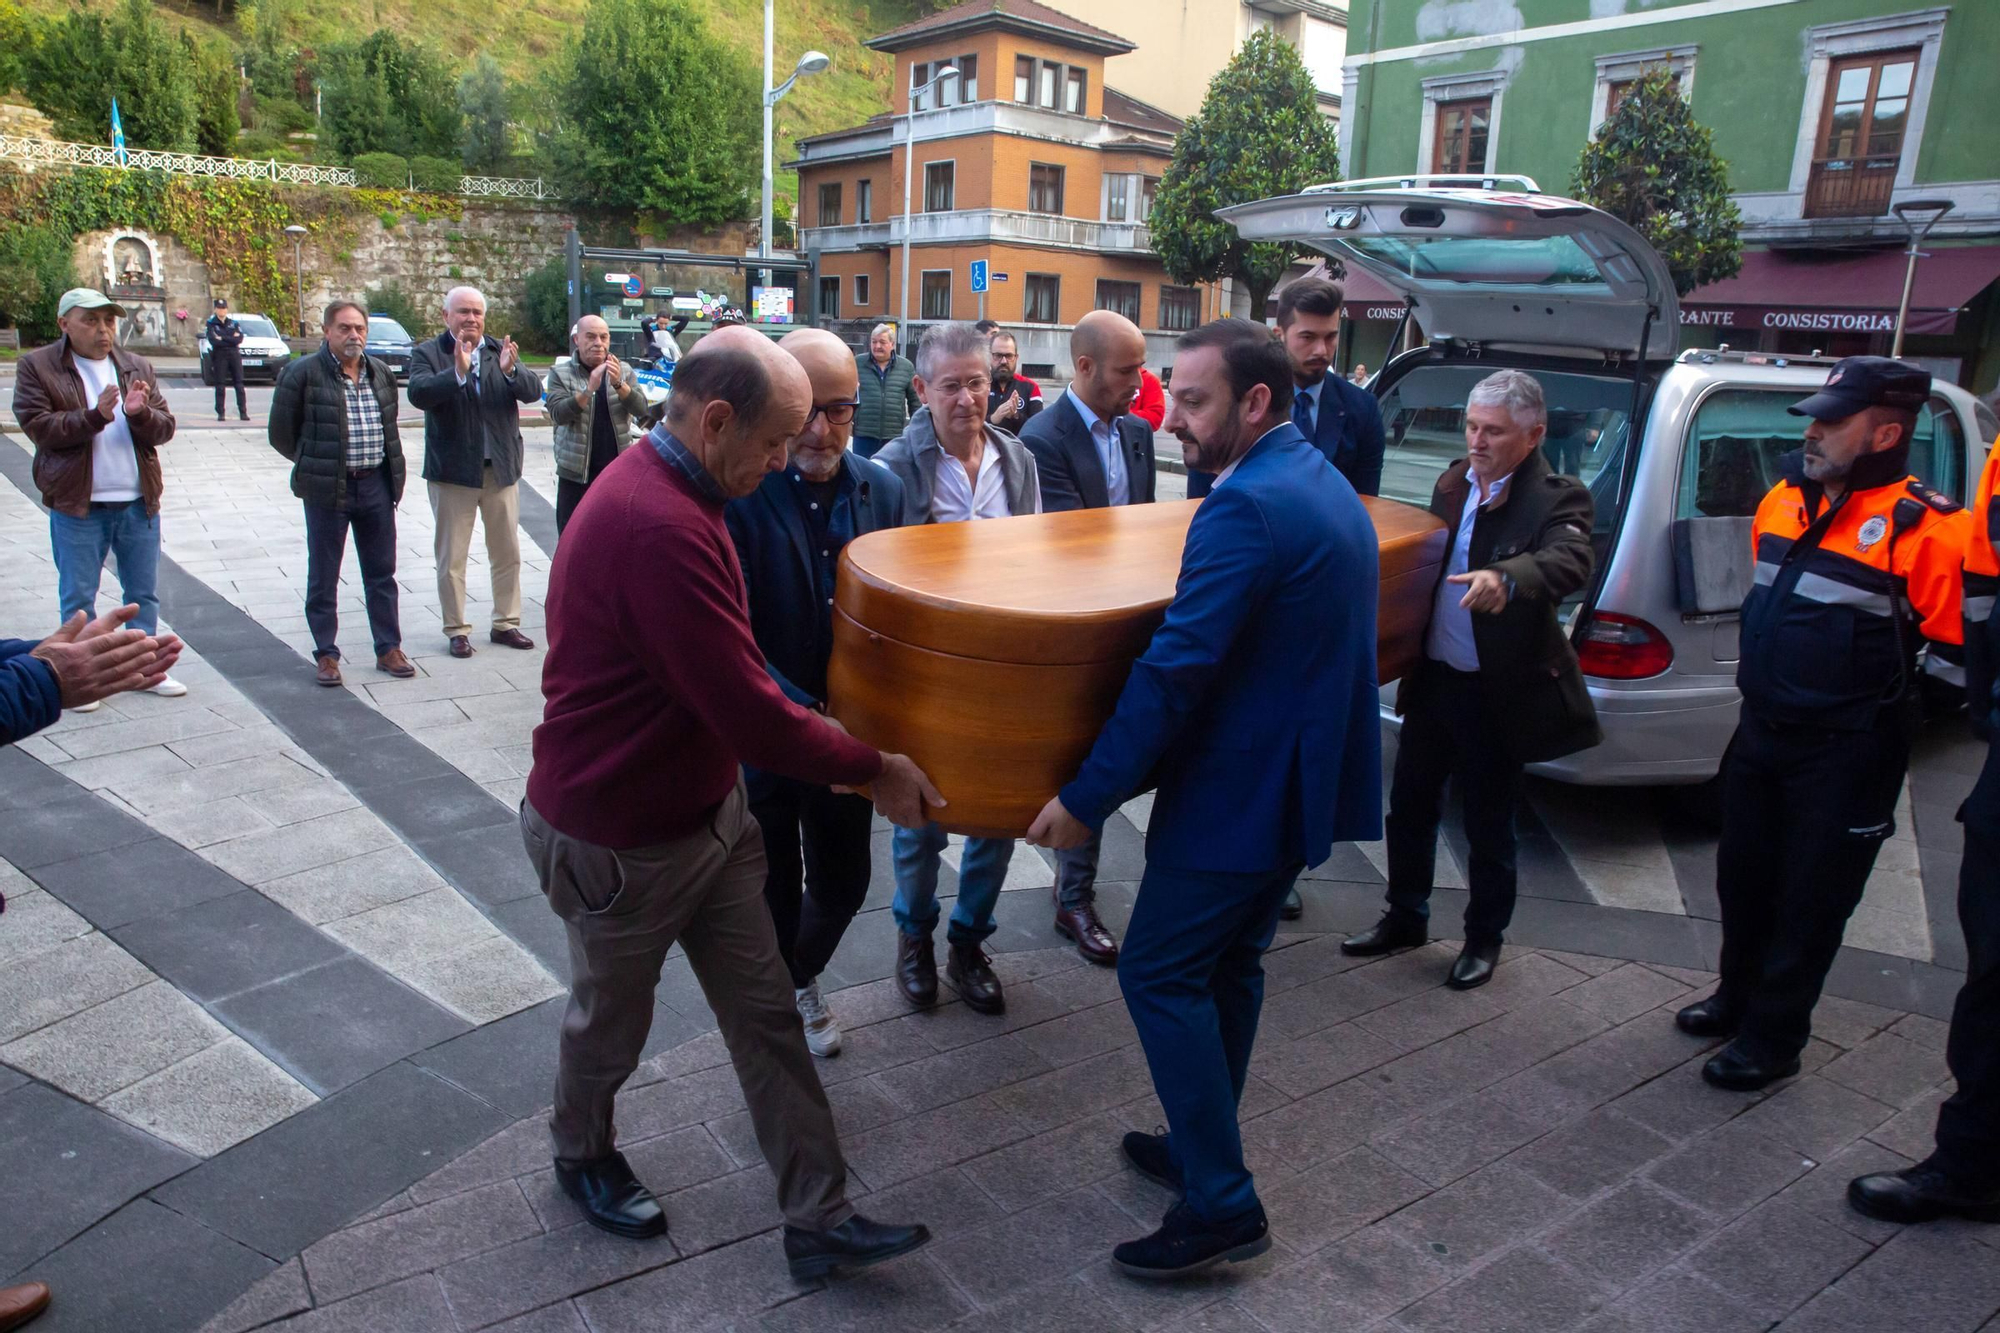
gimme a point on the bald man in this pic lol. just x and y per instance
(637, 821)
(592, 398)
(1093, 452)
(789, 533)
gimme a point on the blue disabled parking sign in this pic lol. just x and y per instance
(979, 275)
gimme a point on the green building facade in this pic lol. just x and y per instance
(1830, 113)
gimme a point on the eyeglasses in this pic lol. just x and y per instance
(977, 385)
(836, 414)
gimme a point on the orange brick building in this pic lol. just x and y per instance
(1025, 160)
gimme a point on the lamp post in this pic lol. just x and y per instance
(946, 75)
(298, 235)
(812, 62)
(1918, 229)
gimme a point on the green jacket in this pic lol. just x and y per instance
(572, 422)
(887, 397)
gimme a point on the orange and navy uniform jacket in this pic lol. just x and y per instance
(1821, 644)
(1982, 584)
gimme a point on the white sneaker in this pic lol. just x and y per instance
(822, 1031)
(90, 707)
(169, 689)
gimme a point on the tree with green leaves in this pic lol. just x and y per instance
(36, 268)
(84, 60)
(216, 88)
(1259, 133)
(482, 101)
(19, 32)
(652, 110)
(382, 94)
(1653, 166)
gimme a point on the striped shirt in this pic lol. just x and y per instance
(364, 420)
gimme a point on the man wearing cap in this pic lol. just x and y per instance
(97, 424)
(1856, 563)
(225, 358)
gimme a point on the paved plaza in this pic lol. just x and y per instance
(278, 1001)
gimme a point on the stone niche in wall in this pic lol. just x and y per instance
(163, 289)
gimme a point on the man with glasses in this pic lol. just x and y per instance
(955, 468)
(1015, 398)
(789, 533)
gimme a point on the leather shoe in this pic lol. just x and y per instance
(461, 645)
(511, 638)
(1741, 1070)
(855, 1243)
(612, 1198)
(1390, 933)
(396, 663)
(1707, 1018)
(1186, 1244)
(1293, 907)
(1474, 966)
(1153, 1158)
(971, 973)
(1093, 941)
(329, 670)
(21, 1304)
(916, 969)
(1922, 1193)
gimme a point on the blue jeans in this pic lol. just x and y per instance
(982, 867)
(122, 529)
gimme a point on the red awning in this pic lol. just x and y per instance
(1843, 291)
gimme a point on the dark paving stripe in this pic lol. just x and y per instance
(538, 519)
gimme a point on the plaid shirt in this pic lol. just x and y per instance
(364, 419)
(677, 457)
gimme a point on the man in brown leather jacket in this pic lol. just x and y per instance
(97, 422)
(1499, 685)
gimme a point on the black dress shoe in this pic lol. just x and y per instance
(1474, 966)
(1923, 1193)
(855, 1243)
(1708, 1018)
(1093, 941)
(1153, 1158)
(1293, 907)
(1185, 1244)
(916, 969)
(1390, 933)
(612, 1198)
(968, 969)
(1741, 1070)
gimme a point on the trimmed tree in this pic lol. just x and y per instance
(1653, 166)
(217, 87)
(1259, 133)
(85, 59)
(386, 95)
(482, 101)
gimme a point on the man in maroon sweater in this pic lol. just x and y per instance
(636, 819)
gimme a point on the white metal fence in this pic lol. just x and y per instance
(33, 153)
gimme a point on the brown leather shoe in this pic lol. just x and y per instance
(916, 969)
(461, 646)
(397, 663)
(511, 638)
(19, 1305)
(329, 670)
(1093, 941)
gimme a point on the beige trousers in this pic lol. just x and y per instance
(498, 509)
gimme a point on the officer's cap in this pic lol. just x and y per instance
(1867, 381)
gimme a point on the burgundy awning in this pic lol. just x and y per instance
(1843, 292)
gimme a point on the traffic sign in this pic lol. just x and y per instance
(634, 287)
(979, 275)
(617, 279)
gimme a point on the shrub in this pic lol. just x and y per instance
(35, 269)
(436, 174)
(547, 306)
(383, 171)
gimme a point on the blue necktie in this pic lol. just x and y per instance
(1302, 413)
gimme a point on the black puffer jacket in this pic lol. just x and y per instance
(309, 426)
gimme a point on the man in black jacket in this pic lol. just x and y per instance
(225, 358)
(1499, 685)
(334, 416)
(470, 388)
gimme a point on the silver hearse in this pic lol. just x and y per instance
(1676, 447)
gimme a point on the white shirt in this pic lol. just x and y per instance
(1104, 434)
(1230, 471)
(114, 462)
(1449, 639)
(958, 498)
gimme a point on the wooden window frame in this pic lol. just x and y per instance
(1439, 139)
(864, 200)
(1873, 196)
(1029, 285)
(1062, 182)
(950, 166)
(1172, 300)
(829, 189)
(826, 280)
(1134, 290)
(861, 293)
(924, 293)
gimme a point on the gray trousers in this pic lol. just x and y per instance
(623, 911)
(1076, 872)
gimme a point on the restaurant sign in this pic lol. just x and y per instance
(1792, 319)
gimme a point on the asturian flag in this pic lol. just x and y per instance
(118, 134)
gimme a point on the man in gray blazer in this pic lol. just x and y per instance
(955, 467)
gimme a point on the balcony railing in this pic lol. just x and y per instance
(32, 153)
(966, 226)
(1851, 187)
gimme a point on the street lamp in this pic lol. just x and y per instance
(298, 235)
(1928, 211)
(945, 75)
(812, 62)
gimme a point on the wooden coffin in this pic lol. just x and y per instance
(993, 652)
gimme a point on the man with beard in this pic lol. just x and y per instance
(1015, 399)
(592, 399)
(1254, 710)
(789, 533)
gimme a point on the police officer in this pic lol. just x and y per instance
(225, 358)
(1961, 1177)
(1856, 562)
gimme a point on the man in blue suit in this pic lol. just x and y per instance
(1092, 453)
(789, 533)
(1254, 709)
